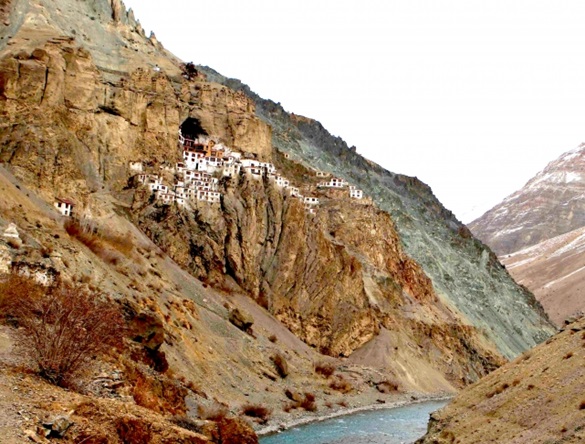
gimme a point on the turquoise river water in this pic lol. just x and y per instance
(387, 426)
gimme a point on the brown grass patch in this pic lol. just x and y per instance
(341, 385)
(280, 364)
(325, 369)
(387, 386)
(261, 413)
(308, 403)
(108, 247)
(212, 413)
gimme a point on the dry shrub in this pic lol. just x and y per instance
(280, 364)
(272, 338)
(341, 385)
(582, 405)
(308, 403)
(530, 386)
(257, 411)
(387, 386)
(132, 430)
(498, 390)
(14, 243)
(212, 413)
(325, 369)
(568, 355)
(110, 248)
(63, 326)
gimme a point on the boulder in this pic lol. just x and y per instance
(241, 319)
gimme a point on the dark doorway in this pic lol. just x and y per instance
(191, 129)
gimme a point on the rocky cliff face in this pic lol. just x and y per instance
(464, 272)
(334, 279)
(78, 108)
(550, 204)
(82, 131)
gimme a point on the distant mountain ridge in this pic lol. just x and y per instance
(554, 270)
(550, 204)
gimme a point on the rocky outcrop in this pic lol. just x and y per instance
(67, 131)
(231, 115)
(463, 271)
(334, 278)
(550, 204)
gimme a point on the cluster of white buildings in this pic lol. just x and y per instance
(336, 182)
(205, 161)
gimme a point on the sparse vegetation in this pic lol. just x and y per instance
(257, 411)
(212, 413)
(387, 386)
(63, 326)
(324, 369)
(340, 384)
(280, 364)
(308, 403)
(110, 248)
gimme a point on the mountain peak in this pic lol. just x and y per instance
(547, 206)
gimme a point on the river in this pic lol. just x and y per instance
(386, 426)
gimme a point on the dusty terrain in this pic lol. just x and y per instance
(555, 271)
(537, 398)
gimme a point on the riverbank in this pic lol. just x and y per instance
(302, 418)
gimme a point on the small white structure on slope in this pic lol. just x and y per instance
(65, 206)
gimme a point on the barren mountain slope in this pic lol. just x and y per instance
(80, 107)
(554, 270)
(538, 398)
(550, 204)
(464, 272)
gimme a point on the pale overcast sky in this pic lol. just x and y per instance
(472, 97)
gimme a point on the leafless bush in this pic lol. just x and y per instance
(341, 385)
(308, 403)
(109, 247)
(64, 326)
(257, 411)
(212, 413)
(280, 364)
(324, 369)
